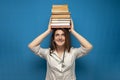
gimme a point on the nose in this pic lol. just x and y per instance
(60, 37)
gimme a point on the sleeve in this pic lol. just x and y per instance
(81, 51)
(40, 51)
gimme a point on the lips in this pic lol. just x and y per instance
(60, 40)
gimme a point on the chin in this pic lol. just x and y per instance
(60, 45)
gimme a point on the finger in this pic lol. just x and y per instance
(69, 30)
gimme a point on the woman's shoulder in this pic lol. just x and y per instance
(72, 48)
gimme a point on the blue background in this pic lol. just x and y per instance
(23, 20)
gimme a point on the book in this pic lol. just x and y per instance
(54, 21)
(60, 8)
(60, 26)
(56, 24)
(62, 19)
(58, 12)
(60, 16)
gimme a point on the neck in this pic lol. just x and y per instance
(60, 49)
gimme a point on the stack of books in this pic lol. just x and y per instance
(60, 17)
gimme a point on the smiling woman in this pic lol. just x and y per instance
(60, 38)
(60, 56)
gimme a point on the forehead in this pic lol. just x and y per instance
(59, 32)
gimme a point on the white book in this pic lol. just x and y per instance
(54, 21)
(56, 24)
(62, 19)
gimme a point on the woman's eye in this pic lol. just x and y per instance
(57, 35)
(63, 34)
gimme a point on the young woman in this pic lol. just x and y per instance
(60, 56)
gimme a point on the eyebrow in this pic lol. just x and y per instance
(59, 34)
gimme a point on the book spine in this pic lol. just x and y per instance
(60, 16)
(60, 26)
(62, 19)
(60, 12)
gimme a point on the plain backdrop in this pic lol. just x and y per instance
(23, 20)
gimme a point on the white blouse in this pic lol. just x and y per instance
(56, 70)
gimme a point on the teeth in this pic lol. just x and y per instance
(60, 41)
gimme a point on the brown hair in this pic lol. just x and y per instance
(67, 45)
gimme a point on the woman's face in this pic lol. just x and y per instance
(59, 38)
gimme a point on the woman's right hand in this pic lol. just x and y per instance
(49, 26)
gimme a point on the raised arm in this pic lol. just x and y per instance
(39, 39)
(85, 43)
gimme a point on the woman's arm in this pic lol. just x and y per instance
(39, 39)
(80, 38)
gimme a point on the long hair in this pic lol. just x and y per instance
(67, 45)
